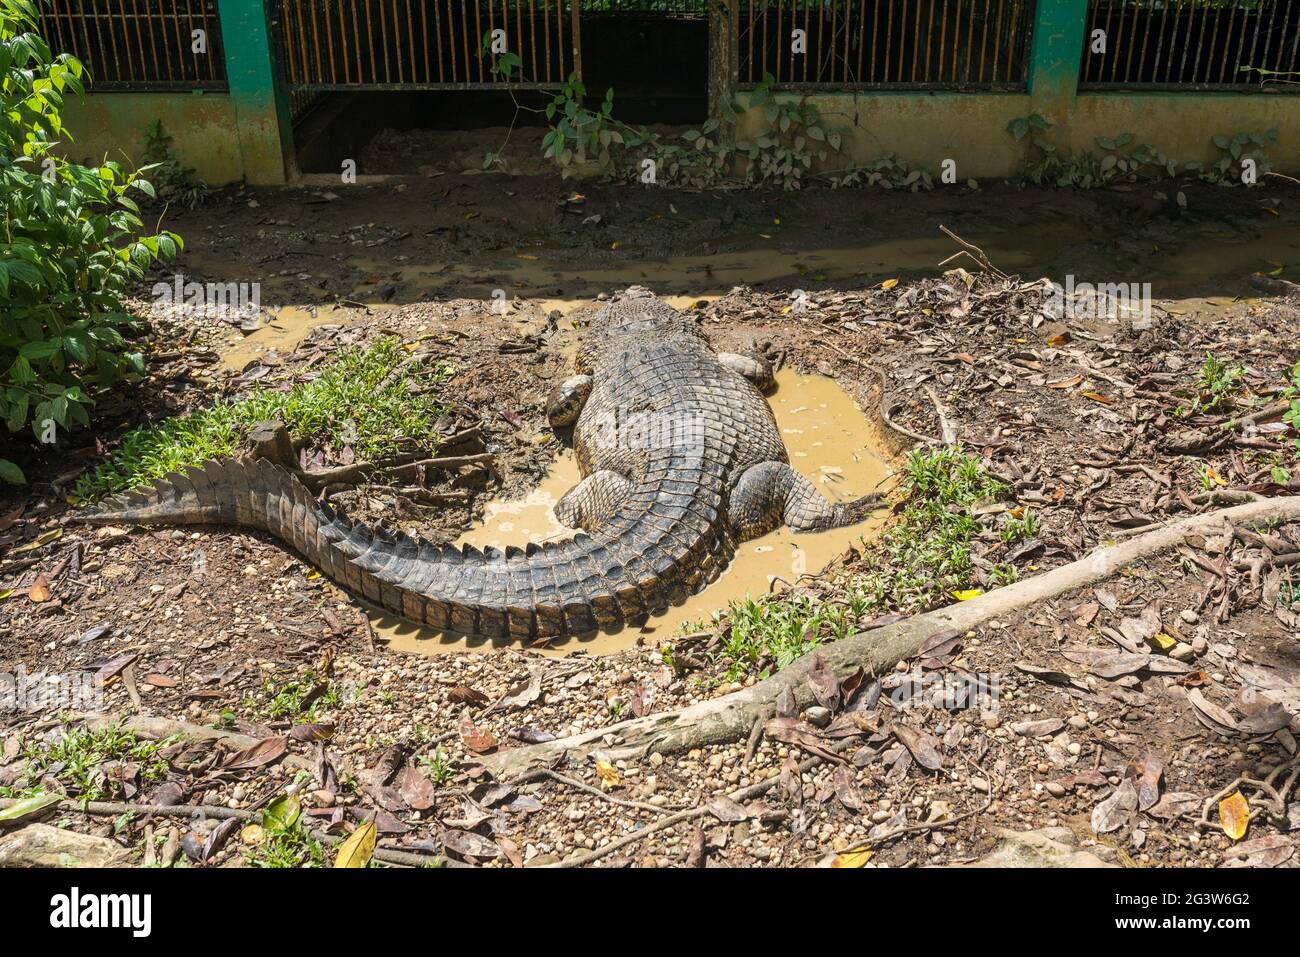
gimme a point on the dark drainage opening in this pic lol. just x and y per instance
(656, 63)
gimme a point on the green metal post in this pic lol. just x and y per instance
(264, 126)
(1057, 51)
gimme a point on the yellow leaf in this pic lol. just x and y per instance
(252, 835)
(6, 593)
(613, 245)
(853, 858)
(312, 575)
(608, 776)
(967, 594)
(889, 284)
(777, 220)
(1096, 397)
(1162, 641)
(1060, 339)
(357, 850)
(37, 542)
(1234, 816)
(530, 258)
(1214, 476)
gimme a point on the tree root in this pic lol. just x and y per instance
(1269, 789)
(731, 717)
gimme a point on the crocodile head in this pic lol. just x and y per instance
(637, 313)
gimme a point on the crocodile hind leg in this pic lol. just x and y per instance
(593, 501)
(755, 368)
(771, 494)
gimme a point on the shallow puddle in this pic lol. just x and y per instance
(829, 440)
(285, 329)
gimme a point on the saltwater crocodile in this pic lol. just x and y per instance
(682, 459)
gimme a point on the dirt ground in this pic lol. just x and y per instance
(1122, 712)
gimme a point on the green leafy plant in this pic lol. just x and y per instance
(285, 841)
(438, 765)
(1123, 159)
(69, 246)
(1216, 383)
(76, 761)
(363, 399)
(926, 556)
(174, 181)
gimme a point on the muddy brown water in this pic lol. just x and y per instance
(829, 440)
(1213, 260)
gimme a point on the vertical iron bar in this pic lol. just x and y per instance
(1214, 41)
(1200, 42)
(943, 37)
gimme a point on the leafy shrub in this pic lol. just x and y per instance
(67, 250)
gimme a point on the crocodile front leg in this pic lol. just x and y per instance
(566, 400)
(593, 501)
(772, 493)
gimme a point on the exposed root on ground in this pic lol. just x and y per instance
(731, 717)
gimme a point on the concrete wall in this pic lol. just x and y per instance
(971, 128)
(202, 127)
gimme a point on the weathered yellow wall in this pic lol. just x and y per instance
(202, 127)
(926, 128)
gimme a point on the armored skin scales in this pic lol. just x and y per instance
(682, 460)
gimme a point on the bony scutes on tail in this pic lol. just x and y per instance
(682, 460)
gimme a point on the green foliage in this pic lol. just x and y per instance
(888, 172)
(67, 246)
(285, 841)
(75, 760)
(927, 554)
(300, 698)
(1292, 415)
(767, 635)
(1022, 126)
(1216, 383)
(361, 399)
(1124, 160)
(438, 765)
(174, 181)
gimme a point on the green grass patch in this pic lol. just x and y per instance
(302, 698)
(75, 759)
(353, 402)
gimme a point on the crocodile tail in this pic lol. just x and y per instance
(634, 568)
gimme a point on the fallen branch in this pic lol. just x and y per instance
(216, 812)
(971, 250)
(730, 718)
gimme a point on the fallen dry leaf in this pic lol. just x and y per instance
(1234, 816)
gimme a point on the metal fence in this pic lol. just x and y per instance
(1191, 45)
(140, 44)
(864, 44)
(424, 44)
